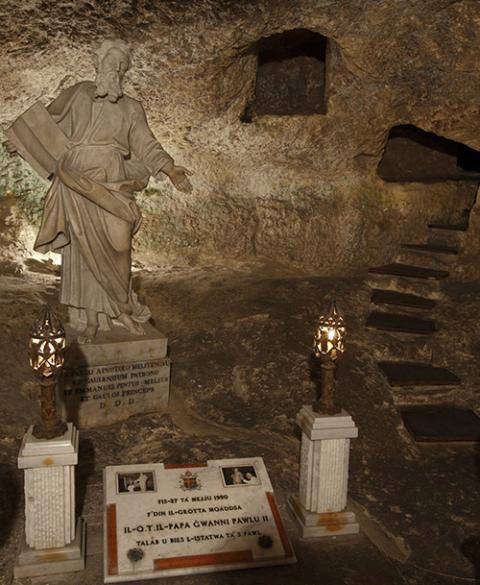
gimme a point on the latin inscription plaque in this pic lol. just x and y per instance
(114, 377)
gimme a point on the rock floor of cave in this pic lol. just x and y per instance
(240, 338)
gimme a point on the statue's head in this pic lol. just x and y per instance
(112, 60)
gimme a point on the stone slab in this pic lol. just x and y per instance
(400, 323)
(460, 227)
(113, 378)
(330, 524)
(49, 452)
(433, 248)
(53, 561)
(409, 271)
(441, 423)
(393, 297)
(165, 520)
(417, 374)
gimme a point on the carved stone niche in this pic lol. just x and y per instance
(412, 154)
(290, 75)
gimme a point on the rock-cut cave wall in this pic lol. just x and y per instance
(299, 188)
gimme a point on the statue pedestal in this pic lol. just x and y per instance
(54, 543)
(116, 376)
(320, 506)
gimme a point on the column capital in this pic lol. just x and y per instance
(59, 451)
(326, 426)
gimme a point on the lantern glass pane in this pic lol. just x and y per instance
(47, 342)
(330, 335)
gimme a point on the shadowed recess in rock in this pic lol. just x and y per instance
(290, 75)
(411, 154)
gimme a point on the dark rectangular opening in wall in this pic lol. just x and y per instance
(291, 74)
(412, 154)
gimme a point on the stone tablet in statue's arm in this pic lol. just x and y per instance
(40, 135)
(61, 107)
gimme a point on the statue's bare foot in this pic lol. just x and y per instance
(131, 325)
(88, 334)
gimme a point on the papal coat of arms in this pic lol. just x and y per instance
(190, 481)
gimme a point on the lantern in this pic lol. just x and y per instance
(330, 335)
(46, 349)
(47, 342)
(329, 345)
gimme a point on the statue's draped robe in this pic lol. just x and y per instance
(112, 148)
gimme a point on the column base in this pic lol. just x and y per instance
(52, 561)
(330, 524)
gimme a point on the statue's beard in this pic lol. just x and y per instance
(108, 85)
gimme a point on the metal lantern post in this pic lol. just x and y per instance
(46, 348)
(329, 345)
(320, 506)
(54, 538)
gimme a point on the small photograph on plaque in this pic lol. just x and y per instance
(194, 522)
(240, 476)
(131, 483)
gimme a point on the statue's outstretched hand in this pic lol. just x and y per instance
(179, 177)
(10, 147)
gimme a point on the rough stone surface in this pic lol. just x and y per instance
(300, 189)
(240, 338)
(467, 267)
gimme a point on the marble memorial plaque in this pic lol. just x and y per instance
(114, 378)
(163, 520)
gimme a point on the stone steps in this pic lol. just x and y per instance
(409, 271)
(401, 323)
(434, 248)
(458, 227)
(423, 395)
(404, 293)
(446, 235)
(423, 259)
(399, 299)
(426, 288)
(413, 374)
(398, 348)
(441, 423)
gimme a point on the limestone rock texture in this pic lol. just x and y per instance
(300, 189)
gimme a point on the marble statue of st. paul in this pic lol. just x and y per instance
(94, 143)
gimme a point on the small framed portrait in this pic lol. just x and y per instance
(137, 482)
(240, 476)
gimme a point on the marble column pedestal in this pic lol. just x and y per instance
(54, 542)
(320, 507)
